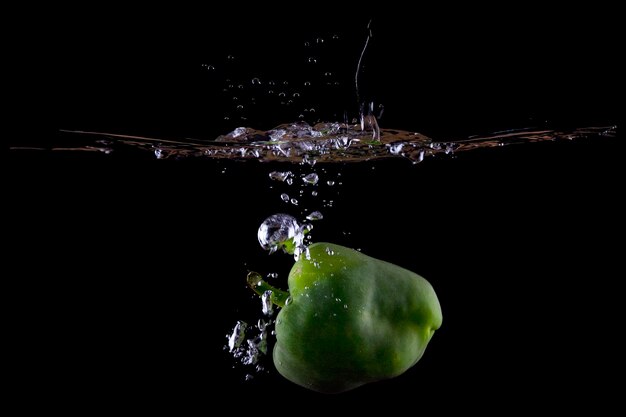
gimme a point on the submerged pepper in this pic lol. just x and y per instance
(351, 319)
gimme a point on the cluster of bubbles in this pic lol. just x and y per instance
(249, 344)
(278, 232)
(244, 88)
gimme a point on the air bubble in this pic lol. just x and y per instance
(266, 303)
(280, 176)
(281, 230)
(238, 335)
(311, 178)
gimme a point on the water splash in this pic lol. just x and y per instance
(323, 142)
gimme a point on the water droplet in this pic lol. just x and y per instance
(158, 153)
(272, 275)
(240, 86)
(249, 377)
(329, 251)
(256, 81)
(307, 44)
(230, 57)
(312, 110)
(345, 306)
(209, 67)
(288, 301)
(328, 74)
(296, 95)
(294, 201)
(284, 197)
(330, 183)
(270, 91)
(307, 84)
(312, 60)
(280, 176)
(286, 82)
(335, 36)
(281, 94)
(266, 303)
(289, 181)
(314, 193)
(319, 40)
(311, 178)
(240, 107)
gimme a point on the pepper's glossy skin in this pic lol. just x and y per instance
(352, 319)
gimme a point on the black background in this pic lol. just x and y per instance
(130, 271)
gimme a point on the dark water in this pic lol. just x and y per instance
(127, 272)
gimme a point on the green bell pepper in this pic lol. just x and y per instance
(350, 319)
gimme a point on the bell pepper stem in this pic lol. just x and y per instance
(259, 286)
